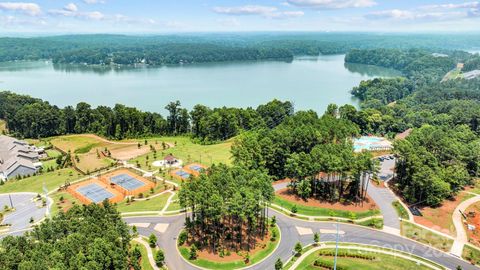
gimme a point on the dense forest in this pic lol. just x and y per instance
(86, 237)
(33, 118)
(315, 152)
(441, 155)
(178, 49)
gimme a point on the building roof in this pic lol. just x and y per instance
(14, 154)
(170, 158)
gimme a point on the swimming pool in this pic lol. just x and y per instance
(371, 143)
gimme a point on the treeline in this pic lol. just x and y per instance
(33, 118)
(86, 237)
(176, 49)
(412, 63)
(436, 162)
(315, 152)
(441, 155)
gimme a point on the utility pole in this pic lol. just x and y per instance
(336, 250)
(11, 202)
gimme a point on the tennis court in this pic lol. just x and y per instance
(183, 174)
(127, 182)
(195, 168)
(95, 192)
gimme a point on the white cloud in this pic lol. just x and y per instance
(245, 10)
(264, 11)
(71, 10)
(436, 12)
(94, 2)
(31, 9)
(71, 7)
(229, 22)
(332, 4)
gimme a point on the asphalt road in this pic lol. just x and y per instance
(289, 228)
(25, 208)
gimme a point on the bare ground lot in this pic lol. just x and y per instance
(95, 152)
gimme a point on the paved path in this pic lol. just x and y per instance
(290, 235)
(150, 255)
(457, 217)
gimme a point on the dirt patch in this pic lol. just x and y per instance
(473, 219)
(207, 254)
(287, 194)
(440, 218)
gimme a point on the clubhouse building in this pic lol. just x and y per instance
(17, 158)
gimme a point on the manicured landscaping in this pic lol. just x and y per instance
(186, 150)
(59, 205)
(154, 204)
(175, 204)
(401, 211)
(52, 153)
(144, 263)
(471, 254)
(424, 236)
(254, 258)
(350, 259)
(316, 211)
(52, 181)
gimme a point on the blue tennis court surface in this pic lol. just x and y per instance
(183, 174)
(95, 193)
(127, 182)
(196, 168)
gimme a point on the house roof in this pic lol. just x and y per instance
(15, 153)
(170, 158)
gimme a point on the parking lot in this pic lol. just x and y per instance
(25, 209)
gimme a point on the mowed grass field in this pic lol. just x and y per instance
(89, 147)
(34, 184)
(186, 150)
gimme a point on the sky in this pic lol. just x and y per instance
(166, 16)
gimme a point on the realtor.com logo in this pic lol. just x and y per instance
(410, 250)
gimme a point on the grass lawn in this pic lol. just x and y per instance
(144, 263)
(421, 235)
(471, 254)
(68, 202)
(316, 211)
(52, 153)
(49, 164)
(401, 211)
(34, 184)
(381, 261)
(154, 204)
(187, 151)
(3, 126)
(254, 258)
(175, 204)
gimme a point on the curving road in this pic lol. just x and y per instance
(292, 231)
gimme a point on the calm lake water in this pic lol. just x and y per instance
(310, 82)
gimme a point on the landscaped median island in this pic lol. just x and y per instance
(401, 211)
(231, 257)
(425, 236)
(370, 216)
(359, 257)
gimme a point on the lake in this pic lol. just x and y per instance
(309, 82)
